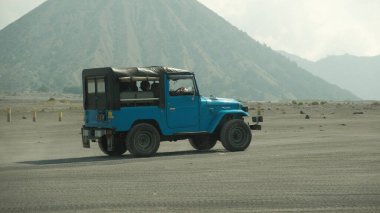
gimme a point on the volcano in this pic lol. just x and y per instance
(50, 46)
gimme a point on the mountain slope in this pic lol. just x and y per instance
(360, 75)
(52, 44)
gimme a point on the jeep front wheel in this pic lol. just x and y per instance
(202, 142)
(235, 135)
(143, 140)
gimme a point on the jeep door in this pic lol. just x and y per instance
(182, 103)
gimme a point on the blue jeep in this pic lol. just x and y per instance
(136, 108)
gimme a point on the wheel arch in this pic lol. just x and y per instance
(223, 117)
(147, 121)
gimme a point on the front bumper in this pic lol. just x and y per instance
(256, 120)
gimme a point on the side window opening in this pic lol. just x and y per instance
(181, 86)
(139, 91)
(128, 87)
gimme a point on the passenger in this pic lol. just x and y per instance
(145, 85)
(155, 89)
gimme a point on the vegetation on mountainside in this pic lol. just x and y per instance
(52, 44)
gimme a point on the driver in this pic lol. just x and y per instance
(182, 90)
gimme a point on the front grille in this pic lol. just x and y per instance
(244, 108)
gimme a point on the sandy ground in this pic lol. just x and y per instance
(329, 163)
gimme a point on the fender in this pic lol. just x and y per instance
(152, 122)
(219, 116)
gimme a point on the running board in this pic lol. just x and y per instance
(191, 133)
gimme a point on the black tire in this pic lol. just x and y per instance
(202, 142)
(235, 135)
(143, 140)
(120, 147)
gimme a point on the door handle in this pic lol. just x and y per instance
(172, 108)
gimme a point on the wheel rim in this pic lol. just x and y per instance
(238, 137)
(144, 141)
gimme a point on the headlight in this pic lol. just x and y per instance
(244, 108)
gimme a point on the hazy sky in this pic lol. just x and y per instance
(309, 28)
(10, 10)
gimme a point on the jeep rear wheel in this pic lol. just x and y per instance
(143, 140)
(202, 142)
(119, 146)
(235, 135)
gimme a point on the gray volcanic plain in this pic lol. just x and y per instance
(328, 163)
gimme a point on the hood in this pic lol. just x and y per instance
(213, 101)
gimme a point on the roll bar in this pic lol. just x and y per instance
(138, 78)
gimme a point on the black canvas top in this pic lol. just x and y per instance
(153, 71)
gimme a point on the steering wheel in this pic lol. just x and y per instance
(179, 90)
